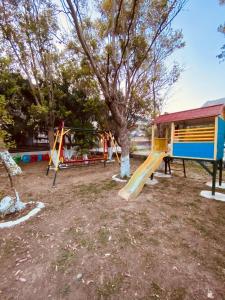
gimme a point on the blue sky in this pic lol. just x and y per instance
(203, 77)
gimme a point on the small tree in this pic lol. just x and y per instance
(122, 44)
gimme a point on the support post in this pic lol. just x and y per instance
(184, 169)
(58, 155)
(215, 138)
(153, 136)
(171, 139)
(52, 152)
(169, 165)
(215, 163)
(166, 162)
(220, 171)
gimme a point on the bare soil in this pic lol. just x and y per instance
(87, 243)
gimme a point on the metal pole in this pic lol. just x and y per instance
(52, 152)
(58, 156)
(166, 162)
(169, 165)
(184, 169)
(214, 177)
(220, 171)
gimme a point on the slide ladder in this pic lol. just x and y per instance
(140, 176)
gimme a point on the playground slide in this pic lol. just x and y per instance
(140, 176)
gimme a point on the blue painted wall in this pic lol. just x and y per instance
(220, 138)
(203, 150)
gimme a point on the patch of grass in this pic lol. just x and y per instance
(105, 215)
(65, 290)
(138, 235)
(178, 294)
(174, 218)
(155, 292)
(207, 232)
(123, 239)
(80, 238)
(219, 220)
(64, 260)
(89, 192)
(109, 185)
(127, 216)
(149, 260)
(103, 235)
(153, 241)
(144, 218)
(8, 247)
(111, 286)
(193, 204)
(218, 265)
(87, 243)
(87, 189)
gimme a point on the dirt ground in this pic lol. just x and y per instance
(87, 243)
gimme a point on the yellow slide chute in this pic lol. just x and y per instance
(140, 176)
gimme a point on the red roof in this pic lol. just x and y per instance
(198, 113)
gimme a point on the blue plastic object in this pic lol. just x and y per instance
(26, 158)
(39, 157)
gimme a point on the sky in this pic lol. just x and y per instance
(203, 77)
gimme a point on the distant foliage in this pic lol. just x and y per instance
(221, 29)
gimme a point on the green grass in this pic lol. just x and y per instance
(81, 239)
(148, 260)
(155, 292)
(103, 235)
(65, 290)
(64, 260)
(8, 247)
(110, 287)
(178, 294)
(144, 219)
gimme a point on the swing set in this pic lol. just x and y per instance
(61, 157)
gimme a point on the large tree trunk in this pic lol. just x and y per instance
(123, 141)
(51, 137)
(118, 114)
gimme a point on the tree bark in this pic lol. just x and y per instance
(117, 109)
(51, 137)
(124, 143)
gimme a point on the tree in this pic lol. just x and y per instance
(77, 101)
(122, 44)
(221, 29)
(80, 102)
(17, 100)
(28, 30)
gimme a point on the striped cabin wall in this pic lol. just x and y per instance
(203, 149)
(195, 142)
(220, 138)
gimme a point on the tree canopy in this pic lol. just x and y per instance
(126, 44)
(221, 29)
(109, 67)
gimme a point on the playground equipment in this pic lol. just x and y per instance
(62, 157)
(197, 134)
